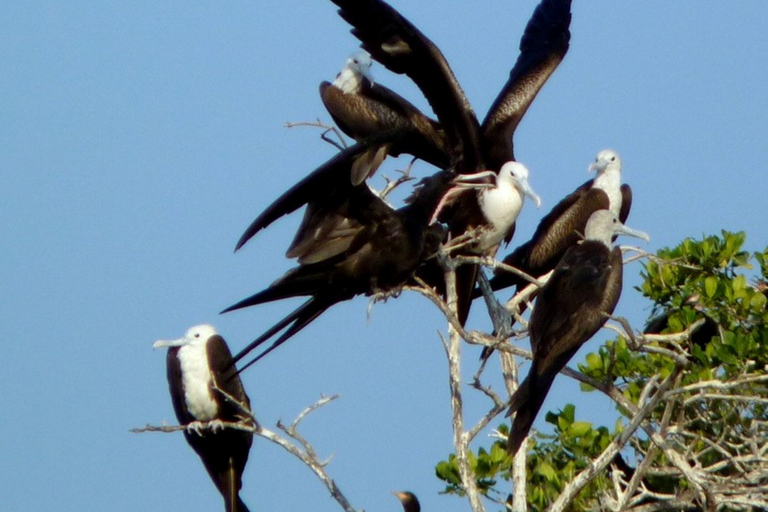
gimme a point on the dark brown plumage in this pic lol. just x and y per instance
(350, 242)
(564, 226)
(197, 364)
(542, 47)
(402, 48)
(409, 501)
(362, 108)
(583, 289)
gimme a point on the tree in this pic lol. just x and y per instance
(690, 393)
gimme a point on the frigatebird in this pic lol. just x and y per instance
(493, 212)
(395, 42)
(403, 49)
(564, 226)
(200, 368)
(574, 304)
(350, 241)
(325, 191)
(362, 108)
(409, 501)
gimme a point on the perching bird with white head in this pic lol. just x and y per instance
(362, 108)
(564, 226)
(492, 211)
(502, 204)
(574, 304)
(607, 167)
(199, 369)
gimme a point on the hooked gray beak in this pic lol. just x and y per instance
(527, 190)
(625, 230)
(169, 343)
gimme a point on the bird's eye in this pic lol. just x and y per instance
(197, 335)
(613, 159)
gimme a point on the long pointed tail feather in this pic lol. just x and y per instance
(302, 317)
(230, 487)
(526, 403)
(279, 326)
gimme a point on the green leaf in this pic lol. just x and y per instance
(547, 471)
(594, 361)
(710, 286)
(579, 428)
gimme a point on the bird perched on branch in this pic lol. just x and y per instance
(205, 387)
(350, 241)
(395, 42)
(564, 225)
(574, 304)
(362, 108)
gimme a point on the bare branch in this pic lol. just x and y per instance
(305, 454)
(340, 143)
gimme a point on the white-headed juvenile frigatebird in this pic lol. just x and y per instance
(574, 304)
(199, 365)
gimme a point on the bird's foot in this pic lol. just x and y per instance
(196, 427)
(379, 295)
(216, 425)
(383, 295)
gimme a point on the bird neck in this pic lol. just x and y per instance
(500, 206)
(601, 236)
(349, 81)
(609, 181)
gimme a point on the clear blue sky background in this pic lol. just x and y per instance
(137, 142)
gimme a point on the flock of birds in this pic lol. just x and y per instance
(352, 242)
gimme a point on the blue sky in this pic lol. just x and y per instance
(139, 140)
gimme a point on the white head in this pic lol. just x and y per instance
(517, 174)
(606, 161)
(360, 64)
(196, 335)
(603, 225)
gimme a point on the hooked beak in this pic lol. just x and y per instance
(527, 190)
(169, 343)
(598, 166)
(368, 75)
(625, 230)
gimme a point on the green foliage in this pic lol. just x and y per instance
(698, 283)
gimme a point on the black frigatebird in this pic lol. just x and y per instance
(409, 501)
(402, 48)
(362, 108)
(565, 224)
(574, 304)
(197, 365)
(350, 241)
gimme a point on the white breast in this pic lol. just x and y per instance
(501, 206)
(196, 382)
(610, 183)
